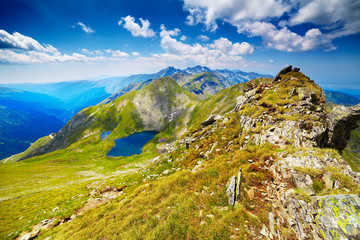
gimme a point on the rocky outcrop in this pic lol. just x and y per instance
(302, 120)
(341, 121)
(284, 71)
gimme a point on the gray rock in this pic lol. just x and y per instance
(208, 121)
(341, 121)
(231, 190)
(272, 223)
(284, 71)
(339, 216)
(27, 236)
(304, 182)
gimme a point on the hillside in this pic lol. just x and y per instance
(25, 117)
(150, 108)
(258, 160)
(341, 98)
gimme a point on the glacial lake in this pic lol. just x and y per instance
(132, 144)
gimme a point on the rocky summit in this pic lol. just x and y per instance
(257, 160)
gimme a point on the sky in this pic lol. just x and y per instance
(62, 40)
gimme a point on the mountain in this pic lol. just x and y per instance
(257, 160)
(153, 107)
(238, 76)
(199, 80)
(341, 98)
(62, 100)
(206, 84)
(25, 117)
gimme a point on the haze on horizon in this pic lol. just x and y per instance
(52, 41)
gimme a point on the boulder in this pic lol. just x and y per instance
(282, 72)
(209, 121)
(304, 182)
(338, 216)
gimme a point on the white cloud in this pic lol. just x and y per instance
(183, 38)
(271, 61)
(85, 28)
(221, 53)
(333, 19)
(135, 54)
(19, 49)
(31, 57)
(208, 11)
(341, 15)
(227, 47)
(84, 50)
(21, 42)
(164, 32)
(284, 39)
(135, 29)
(204, 38)
(117, 53)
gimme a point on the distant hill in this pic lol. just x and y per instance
(341, 98)
(26, 116)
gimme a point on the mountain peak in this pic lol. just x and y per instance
(197, 69)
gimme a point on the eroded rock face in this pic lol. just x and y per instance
(341, 121)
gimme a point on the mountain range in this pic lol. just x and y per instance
(33, 110)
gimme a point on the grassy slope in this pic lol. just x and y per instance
(352, 151)
(198, 83)
(32, 188)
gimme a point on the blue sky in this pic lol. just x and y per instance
(48, 40)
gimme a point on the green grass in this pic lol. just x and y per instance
(352, 151)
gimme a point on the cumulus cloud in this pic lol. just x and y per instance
(136, 30)
(341, 15)
(165, 32)
(30, 57)
(21, 42)
(135, 54)
(19, 49)
(221, 53)
(204, 38)
(284, 39)
(209, 11)
(332, 19)
(117, 53)
(85, 28)
(227, 47)
(183, 38)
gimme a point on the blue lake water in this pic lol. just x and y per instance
(104, 135)
(132, 144)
